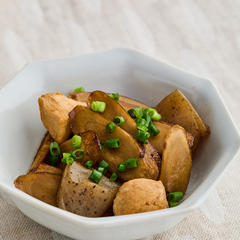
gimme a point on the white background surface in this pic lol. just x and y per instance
(202, 37)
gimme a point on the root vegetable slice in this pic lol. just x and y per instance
(79, 96)
(41, 185)
(42, 153)
(128, 103)
(125, 102)
(79, 195)
(54, 110)
(152, 153)
(43, 167)
(158, 140)
(90, 145)
(83, 119)
(176, 161)
(176, 109)
(113, 109)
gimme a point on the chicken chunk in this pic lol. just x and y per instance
(54, 110)
(140, 195)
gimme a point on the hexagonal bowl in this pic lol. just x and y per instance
(129, 73)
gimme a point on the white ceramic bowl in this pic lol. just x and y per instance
(131, 74)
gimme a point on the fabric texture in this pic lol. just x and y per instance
(202, 37)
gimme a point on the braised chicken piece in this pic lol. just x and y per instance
(54, 110)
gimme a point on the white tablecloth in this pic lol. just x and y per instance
(201, 36)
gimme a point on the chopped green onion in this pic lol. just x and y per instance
(153, 113)
(113, 177)
(141, 121)
(156, 117)
(81, 152)
(122, 167)
(54, 149)
(80, 89)
(69, 160)
(114, 96)
(102, 145)
(172, 204)
(131, 162)
(53, 160)
(65, 155)
(95, 176)
(88, 164)
(175, 196)
(153, 129)
(110, 127)
(105, 165)
(147, 118)
(147, 135)
(131, 112)
(101, 170)
(119, 120)
(113, 143)
(142, 127)
(138, 111)
(76, 141)
(144, 141)
(98, 106)
(141, 135)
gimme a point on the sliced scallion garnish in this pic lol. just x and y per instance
(119, 120)
(114, 96)
(131, 112)
(113, 177)
(122, 167)
(88, 164)
(172, 204)
(110, 127)
(103, 164)
(175, 196)
(102, 145)
(80, 89)
(95, 176)
(153, 113)
(69, 160)
(141, 121)
(141, 135)
(113, 143)
(144, 141)
(142, 127)
(76, 141)
(101, 170)
(77, 154)
(53, 160)
(98, 106)
(153, 129)
(131, 162)
(147, 118)
(54, 149)
(138, 111)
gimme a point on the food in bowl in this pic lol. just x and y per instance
(123, 143)
(140, 195)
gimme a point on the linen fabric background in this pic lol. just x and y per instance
(201, 36)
